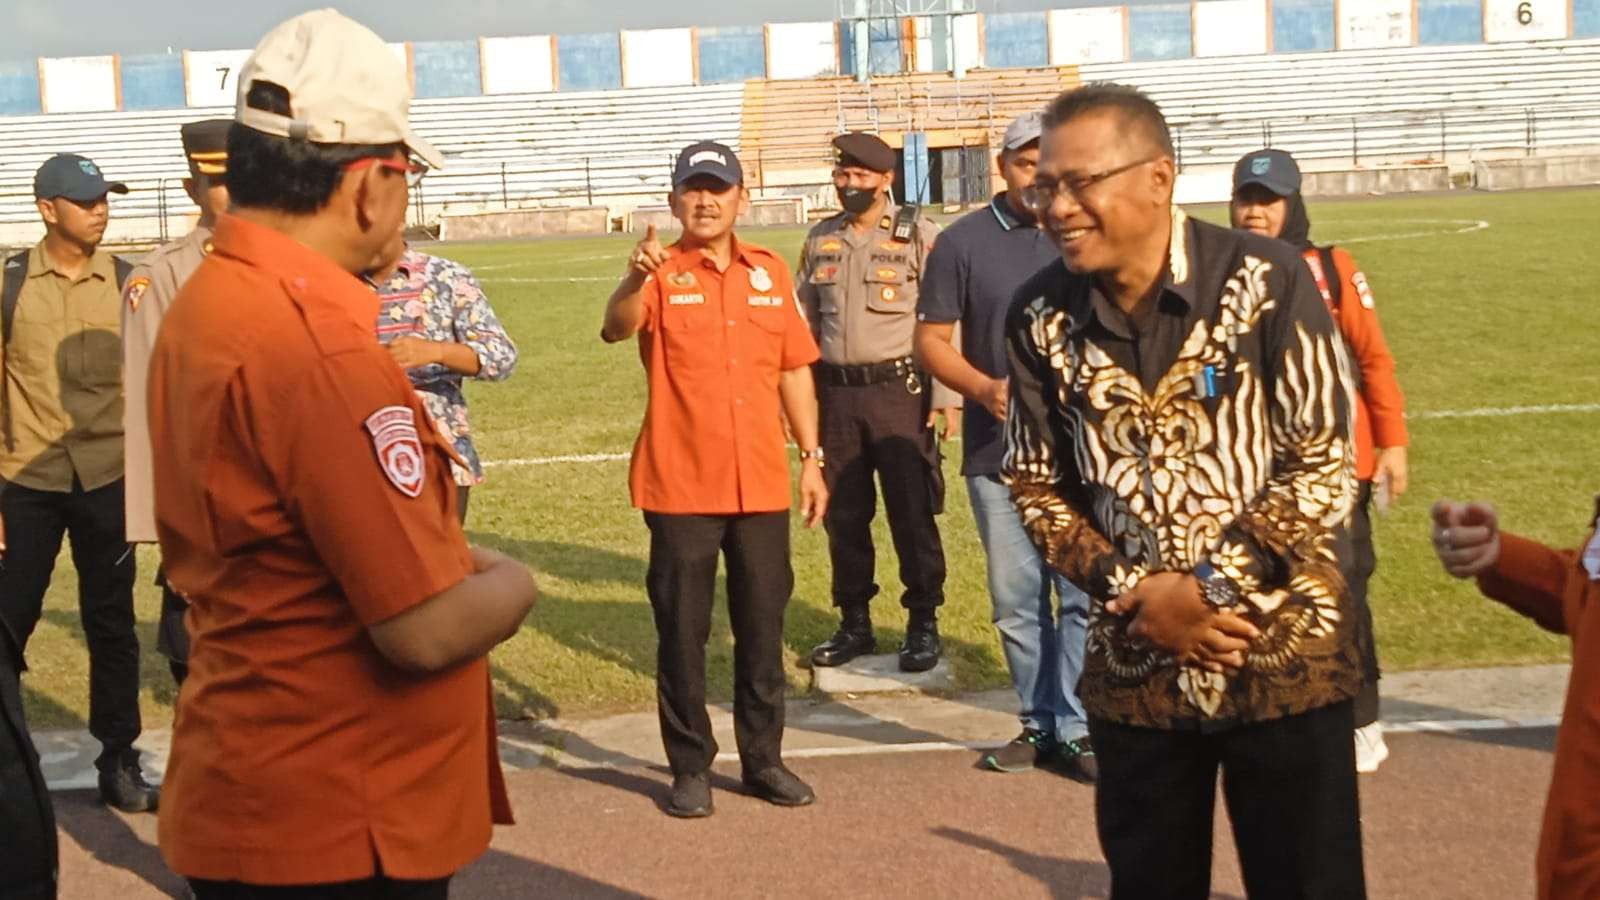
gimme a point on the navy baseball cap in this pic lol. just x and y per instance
(73, 177)
(707, 158)
(1274, 170)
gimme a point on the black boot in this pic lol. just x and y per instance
(921, 649)
(853, 639)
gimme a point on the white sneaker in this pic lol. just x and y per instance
(1371, 751)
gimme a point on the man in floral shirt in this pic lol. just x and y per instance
(439, 327)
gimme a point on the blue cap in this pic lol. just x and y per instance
(707, 158)
(1274, 170)
(73, 177)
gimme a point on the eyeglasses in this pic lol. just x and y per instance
(412, 168)
(1043, 192)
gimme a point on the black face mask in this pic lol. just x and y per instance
(857, 200)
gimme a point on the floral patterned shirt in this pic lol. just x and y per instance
(437, 299)
(1216, 428)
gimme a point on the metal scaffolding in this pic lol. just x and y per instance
(861, 19)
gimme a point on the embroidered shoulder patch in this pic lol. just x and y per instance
(135, 291)
(394, 437)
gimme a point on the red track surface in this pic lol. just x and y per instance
(1449, 816)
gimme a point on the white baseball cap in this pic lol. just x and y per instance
(345, 85)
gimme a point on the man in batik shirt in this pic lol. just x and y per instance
(439, 327)
(1178, 444)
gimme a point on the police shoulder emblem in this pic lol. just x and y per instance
(760, 279)
(135, 291)
(394, 436)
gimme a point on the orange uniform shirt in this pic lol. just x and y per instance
(1560, 590)
(713, 345)
(301, 496)
(1380, 419)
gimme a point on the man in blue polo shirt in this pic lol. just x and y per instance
(973, 271)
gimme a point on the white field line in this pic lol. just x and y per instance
(1481, 412)
(1463, 226)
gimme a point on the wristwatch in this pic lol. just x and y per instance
(816, 454)
(1217, 589)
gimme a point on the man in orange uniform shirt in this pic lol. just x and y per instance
(724, 346)
(335, 736)
(1560, 590)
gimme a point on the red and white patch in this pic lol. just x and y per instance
(135, 292)
(1363, 290)
(394, 436)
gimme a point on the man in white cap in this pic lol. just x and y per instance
(335, 736)
(973, 273)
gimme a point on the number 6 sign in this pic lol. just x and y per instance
(1525, 20)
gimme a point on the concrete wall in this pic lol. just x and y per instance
(777, 211)
(524, 223)
(1536, 172)
(1377, 180)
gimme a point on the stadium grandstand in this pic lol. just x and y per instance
(1418, 92)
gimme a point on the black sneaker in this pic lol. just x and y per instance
(125, 788)
(691, 796)
(1075, 759)
(778, 785)
(1024, 752)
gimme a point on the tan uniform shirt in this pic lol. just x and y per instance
(62, 411)
(859, 291)
(145, 299)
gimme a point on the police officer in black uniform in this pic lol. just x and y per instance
(859, 276)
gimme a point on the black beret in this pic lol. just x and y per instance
(857, 148)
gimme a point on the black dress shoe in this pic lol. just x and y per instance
(780, 786)
(125, 789)
(691, 796)
(921, 649)
(853, 639)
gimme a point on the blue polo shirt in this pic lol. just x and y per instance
(973, 272)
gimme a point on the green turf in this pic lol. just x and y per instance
(1498, 317)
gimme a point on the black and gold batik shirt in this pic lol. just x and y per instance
(1213, 425)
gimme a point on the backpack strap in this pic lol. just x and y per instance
(15, 275)
(1335, 291)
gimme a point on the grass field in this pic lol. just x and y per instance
(1485, 319)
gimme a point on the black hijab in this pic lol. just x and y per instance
(1296, 224)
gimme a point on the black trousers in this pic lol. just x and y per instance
(27, 821)
(1363, 562)
(682, 582)
(882, 429)
(1290, 786)
(35, 523)
(172, 636)
(379, 888)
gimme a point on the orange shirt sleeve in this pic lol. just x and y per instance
(1531, 579)
(1358, 320)
(799, 346)
(368, 483)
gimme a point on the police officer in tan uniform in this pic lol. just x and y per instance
(149, 292)
(859, 276)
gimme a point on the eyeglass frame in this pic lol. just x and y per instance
(413, 169)
(1077, 186)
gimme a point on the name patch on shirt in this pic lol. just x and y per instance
(763, 300)
(686, 299)
(394, 436)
